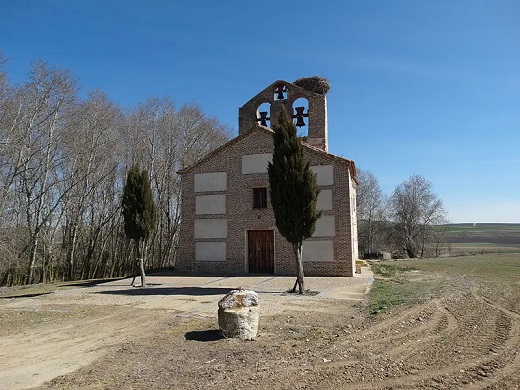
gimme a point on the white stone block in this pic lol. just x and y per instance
(207, 182)
(325, 226)
(210, 251)
(256, 163)
(324, 200)
(211, 228)
(210, 204)
(324, 174)
(318, 251)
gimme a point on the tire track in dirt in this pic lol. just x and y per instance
(413, 324)
(466, 343)
(458, 340)
(508, 365)
(486, 341)
(400, 355)
(380, 353)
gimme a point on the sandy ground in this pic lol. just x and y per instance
(49, 335)
(111, 336)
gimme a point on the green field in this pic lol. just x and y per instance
(466, 238)
(495, 275)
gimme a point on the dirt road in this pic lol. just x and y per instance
(48, 335)
(456, 337)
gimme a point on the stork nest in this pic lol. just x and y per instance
(315, 84)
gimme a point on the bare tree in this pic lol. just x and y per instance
(163, 141)
(415, 208)
(43, 104)
(437, 240)
(63, 164)
(88, 144)
(155, 124)
(371, 212)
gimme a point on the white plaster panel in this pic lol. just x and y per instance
(210, 204)
(324, 174)
(325, 226)
(318, 251)
(211, 228)
(210, 251)
(206, 182)
(324, 200)
(256, 163)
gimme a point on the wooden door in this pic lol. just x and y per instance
(260, 250)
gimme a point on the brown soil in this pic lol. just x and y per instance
(460, 339)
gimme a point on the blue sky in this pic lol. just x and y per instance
(427, 87)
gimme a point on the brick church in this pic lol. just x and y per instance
(227, 223)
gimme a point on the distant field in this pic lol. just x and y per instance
(481, 237)
(498, 274)
(503, 269)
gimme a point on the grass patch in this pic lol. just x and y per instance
(27, 291)
(34, 290)
(504, 267)
(386, 294)
(389, 270)
(392, 288)
(496, 275)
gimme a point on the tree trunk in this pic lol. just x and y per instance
(32, 261)
(410, 251)
(140, 260)
(71, 252)
(297, 248)
(423, 242)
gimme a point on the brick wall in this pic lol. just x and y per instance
(317, 110)
(241, 216)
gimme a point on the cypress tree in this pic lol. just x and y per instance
(293, 191)
(139, 213)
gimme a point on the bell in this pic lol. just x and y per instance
(280, 89)
(263, 118)
(299, 121)
(299, 116)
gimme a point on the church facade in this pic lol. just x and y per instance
(227, 223)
